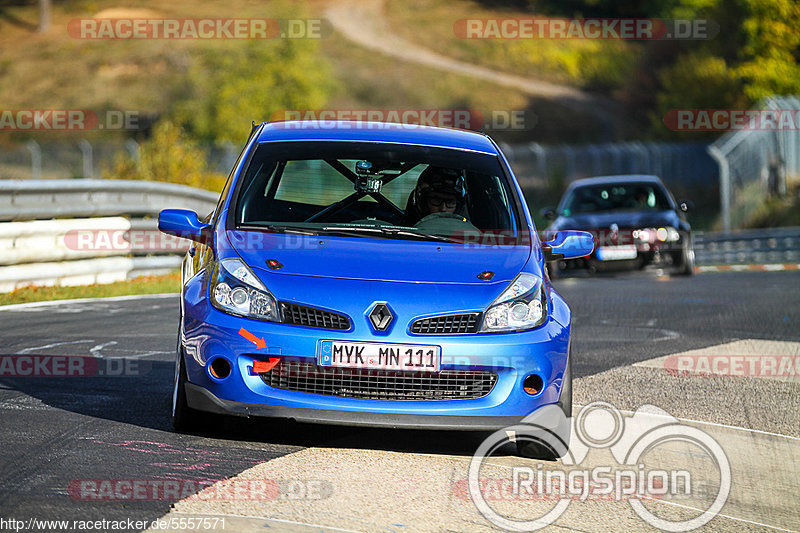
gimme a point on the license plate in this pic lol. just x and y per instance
(616, 253)
(379, 356)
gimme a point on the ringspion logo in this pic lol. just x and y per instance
(639, 468)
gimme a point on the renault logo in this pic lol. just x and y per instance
(381, 317)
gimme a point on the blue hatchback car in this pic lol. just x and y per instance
(370, 274)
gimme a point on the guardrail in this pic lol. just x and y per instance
(748, 247)
(72, 249)
(38, 199)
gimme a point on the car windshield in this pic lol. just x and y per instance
(615, 196)
(376, 190)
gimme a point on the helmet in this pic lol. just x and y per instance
(437, 179)
(444, 180)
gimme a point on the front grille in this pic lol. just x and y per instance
(300, 315)
(446, 324)
(379, 384)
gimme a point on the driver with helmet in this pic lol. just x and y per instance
(438, 190)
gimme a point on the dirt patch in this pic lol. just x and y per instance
(127, 13)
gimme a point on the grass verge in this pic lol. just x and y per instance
(142, 285)
(778, 211)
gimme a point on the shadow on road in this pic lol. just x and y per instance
(144, 400)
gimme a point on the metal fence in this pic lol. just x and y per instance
(82, 158)
(686, 168)
(756, 163)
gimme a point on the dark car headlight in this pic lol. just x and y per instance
(236, 290)
(662, 234)
(522, 306)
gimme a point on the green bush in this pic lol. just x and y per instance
(772, 48)
(697, 82)
(168, 156)
(231, 85)
(596, 64)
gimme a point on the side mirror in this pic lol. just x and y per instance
(685, 205)
(183, 223)
(568, 244)
(549, 213)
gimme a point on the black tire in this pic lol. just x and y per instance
(552, 270)
(184, 418)
(541, 450)
(686, 267)
(566, 392)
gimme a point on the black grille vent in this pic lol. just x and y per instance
(446, 325)
(300, 315)
(379, 384)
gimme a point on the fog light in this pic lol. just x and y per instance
(532, 384)
(219, 368)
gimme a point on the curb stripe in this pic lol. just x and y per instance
(770, 267)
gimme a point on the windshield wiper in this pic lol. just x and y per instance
(278, 228)
(351, 230)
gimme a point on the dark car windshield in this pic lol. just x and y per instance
(615, 196)
(375, 190)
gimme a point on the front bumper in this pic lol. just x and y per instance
(208, 333)
(656, 254)
(201, 399)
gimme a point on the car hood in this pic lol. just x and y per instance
(623, 219)
(377, 259)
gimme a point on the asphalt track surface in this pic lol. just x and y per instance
(58, 431)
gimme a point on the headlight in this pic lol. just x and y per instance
(672, 234)
(667, 234)
(236, 290)
(521, 306)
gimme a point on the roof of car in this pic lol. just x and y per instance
(620, 178)
(382, 132)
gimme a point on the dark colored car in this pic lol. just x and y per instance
(635, 222)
